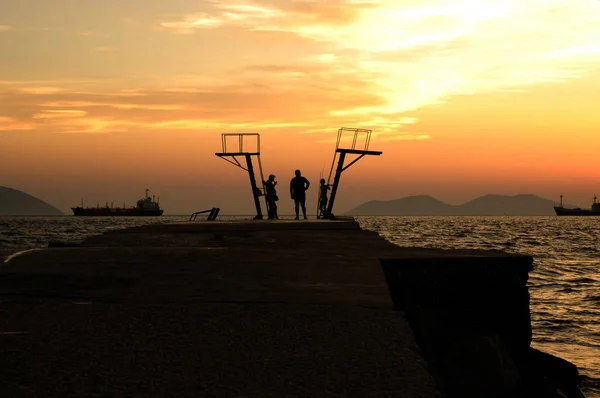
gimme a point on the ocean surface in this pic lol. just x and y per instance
(564, 287)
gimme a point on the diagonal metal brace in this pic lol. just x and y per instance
(236, 163)
(352, 162)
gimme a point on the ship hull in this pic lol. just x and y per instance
(561, 211)
(114, 212)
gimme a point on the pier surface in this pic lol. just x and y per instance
(254, 308)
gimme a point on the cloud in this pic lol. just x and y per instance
(95, 126)
(245, 15)
(249, 100)
(259, 16)
(90, 33)
(10, 124)
(104, 49)
(422, 52)
(62, 82)
(41, 90)
(116, 105)
(384, 127)
(363, 64)
(5, 28)
(407, 137)
(59, 114)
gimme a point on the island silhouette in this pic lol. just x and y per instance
(18, 203)
(14, 202)
(487, 205)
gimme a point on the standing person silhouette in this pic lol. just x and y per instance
(323, 197)
(298, 187)
(272, 197)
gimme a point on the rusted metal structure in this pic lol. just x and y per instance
(235, 151)
(360, 140)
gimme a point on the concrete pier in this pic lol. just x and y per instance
(253, 309)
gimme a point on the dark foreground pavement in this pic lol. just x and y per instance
(253, 309)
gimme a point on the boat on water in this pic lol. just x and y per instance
(145, 207)
(563, 211)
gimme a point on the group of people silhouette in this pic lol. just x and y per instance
(298, 187)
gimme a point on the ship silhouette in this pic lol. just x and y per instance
(145, 207)
(564, 211)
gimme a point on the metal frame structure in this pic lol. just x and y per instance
(213, 213)
(340, 156)
(256, 191)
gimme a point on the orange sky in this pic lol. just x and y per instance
(102, 99)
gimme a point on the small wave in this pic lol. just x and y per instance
(584, 280)
(593, 299)
(590, 386)
(12, 256)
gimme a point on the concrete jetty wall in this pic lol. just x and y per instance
(470, 316)
(263, 309)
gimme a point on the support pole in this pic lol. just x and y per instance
(336, 183)
(255, 190)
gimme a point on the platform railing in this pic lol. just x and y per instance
(213, 213)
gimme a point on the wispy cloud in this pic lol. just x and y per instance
(116, 105)
(59, 114)
(90, 33)
(422, 52)
(41, 90)
(63, 82)
(104, 49)
(5, 28)
(249, 16)
(363, 64)
(406, 136)
(264, 16)
(245, 103)
(11, 124)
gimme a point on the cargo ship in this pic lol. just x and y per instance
(146, 207)
(563, 211)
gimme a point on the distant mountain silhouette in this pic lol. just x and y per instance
(17, 203)
(487, 205)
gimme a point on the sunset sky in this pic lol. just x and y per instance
(102, 99)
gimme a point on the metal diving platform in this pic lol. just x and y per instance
(360, 140)
(236, 150)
